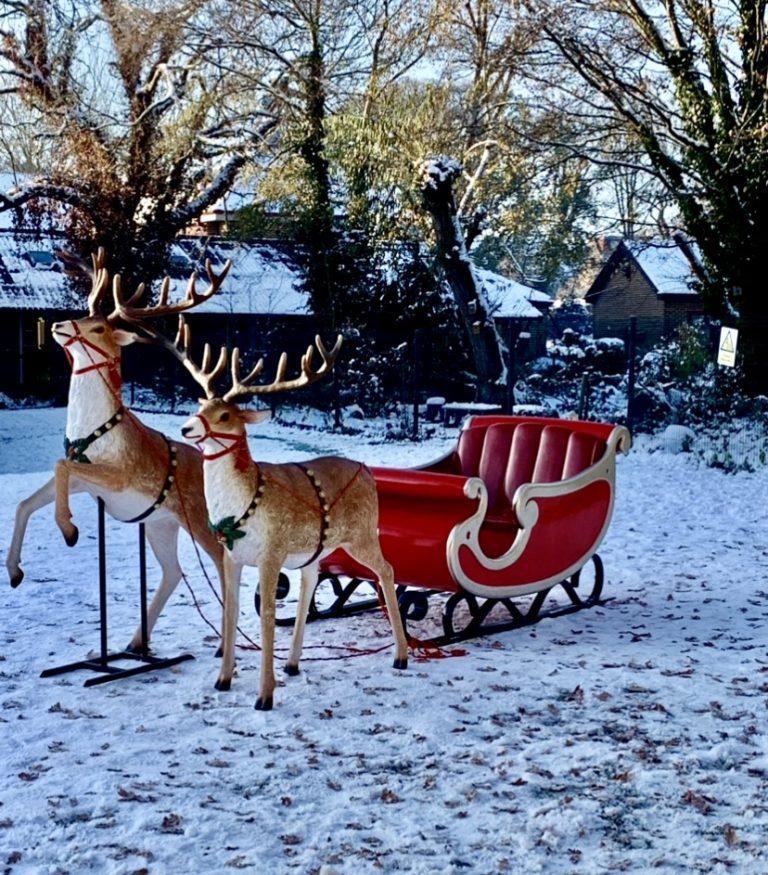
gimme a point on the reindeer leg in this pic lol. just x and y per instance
(232, 573)
(27, 506)
(308, 584)
(269, 571)
(163, 537)
(77, 477)
(370, 555)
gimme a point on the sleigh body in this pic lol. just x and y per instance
(517, 508)
(519, 505)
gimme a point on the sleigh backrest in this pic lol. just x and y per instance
(507, 451)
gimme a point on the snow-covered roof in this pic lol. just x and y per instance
(28, 286)
(264, 279)
(665, 265)
(508, 298)
(236, 198)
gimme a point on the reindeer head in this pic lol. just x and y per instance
(95, 340)
(219, 424)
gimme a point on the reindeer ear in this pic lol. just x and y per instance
(255, 416)
(124, 338)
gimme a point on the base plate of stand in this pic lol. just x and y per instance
(108, 672)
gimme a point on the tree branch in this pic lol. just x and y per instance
(221, 184)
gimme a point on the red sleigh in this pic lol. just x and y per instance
(520, 506)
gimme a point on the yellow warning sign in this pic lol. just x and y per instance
(729, 339)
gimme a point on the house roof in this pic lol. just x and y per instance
(264, 279)
(666, 267)
(26, 286)
(663, 263)
(508, 298)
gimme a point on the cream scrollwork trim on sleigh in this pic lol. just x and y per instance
(467, 533)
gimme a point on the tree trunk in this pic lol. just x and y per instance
(318, 232)
(753, 337)
(437, 192)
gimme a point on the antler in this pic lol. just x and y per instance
(98, 274)
(241, 386)
(204, 375)
(130, 312)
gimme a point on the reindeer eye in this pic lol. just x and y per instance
(97, 329)
(224, 417)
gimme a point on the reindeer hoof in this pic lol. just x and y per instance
(223, 686)
(70, 537)
(264, 704)
(291, 670)
(219, 652)
(136, 648)
(17, 577)
(400, 664)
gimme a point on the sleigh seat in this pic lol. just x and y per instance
(519, 504)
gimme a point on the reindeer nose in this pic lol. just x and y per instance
(187, 430)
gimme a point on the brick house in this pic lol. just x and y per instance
(652, 280)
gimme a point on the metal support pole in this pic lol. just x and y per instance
(143, 588)
(512, 337)
(21, 347)
(102, 665)
(583, 412)
(102, 580)
(337, 422)
(631, 347)
(418, 344)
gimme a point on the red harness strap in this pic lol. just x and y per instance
(237, 445)
(111, 363)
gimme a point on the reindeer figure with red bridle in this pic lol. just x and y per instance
(141, 475)
(276, 516)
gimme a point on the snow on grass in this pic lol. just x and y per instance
(626, 738)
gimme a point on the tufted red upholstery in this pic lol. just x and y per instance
(583, 450)
(522, 459)
(470, 448)
(550, 458)
(507, 453)
(494, 460)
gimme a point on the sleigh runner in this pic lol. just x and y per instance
(519, 507)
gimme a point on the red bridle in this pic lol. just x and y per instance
(111, 363)
(237, 444)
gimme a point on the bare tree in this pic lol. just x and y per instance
(136, 119)
(484, 42)
(314, 57)
(686, 81)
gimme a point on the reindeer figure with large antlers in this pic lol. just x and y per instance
(141, 475)
(278, 516)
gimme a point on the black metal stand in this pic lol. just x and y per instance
(470, 622)
(102, 662)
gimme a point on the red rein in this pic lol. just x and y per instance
(238, 445)
(111, 363)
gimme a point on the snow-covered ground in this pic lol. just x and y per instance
(625, 738)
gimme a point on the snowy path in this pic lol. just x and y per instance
(627, 738)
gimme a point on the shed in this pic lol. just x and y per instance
(517, 307)
(653, 280)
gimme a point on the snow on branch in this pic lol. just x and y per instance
(220, 185)
(439, 170)
(47, 190)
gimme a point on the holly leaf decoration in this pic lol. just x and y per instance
(74, 450)
(227, 531)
